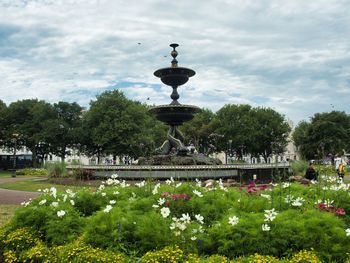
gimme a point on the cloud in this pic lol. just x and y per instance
(291, 56)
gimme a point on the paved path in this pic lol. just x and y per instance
(13, 196)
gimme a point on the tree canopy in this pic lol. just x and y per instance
(326, 134)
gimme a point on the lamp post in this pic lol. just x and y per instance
(14, 140)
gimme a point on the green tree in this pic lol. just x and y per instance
(232, 123)
(28, 118)
(116, 125)
(327, 133)
(270, 132)
(3, 112)
(258, 131)
(301, 141)
(62, 131)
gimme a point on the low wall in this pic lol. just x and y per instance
(241, 173)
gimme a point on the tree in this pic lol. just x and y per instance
(62, 131)
(327, 133)
(198, 130)
(3, 111)
(300, 138)
(258, 131)
(28, 118)
(270, 133)
(232, 123)
(116, 125)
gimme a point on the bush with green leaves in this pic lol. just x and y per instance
(56, 169)
(299, 167)
(32, 171)
(278, 221)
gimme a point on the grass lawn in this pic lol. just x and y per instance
(4, 174)
(34, 185)
(6, 213)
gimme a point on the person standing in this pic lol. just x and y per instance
(339, 166)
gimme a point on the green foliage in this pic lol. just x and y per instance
(32, 172)
(87, 203)
(327, 133)
(56, 169)
(168, 255)
(299, 167)
(259, 131)
(218, 221)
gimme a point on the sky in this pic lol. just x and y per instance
(292, 56)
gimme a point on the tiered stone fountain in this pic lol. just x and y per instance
(173, 151)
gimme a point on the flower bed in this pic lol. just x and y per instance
(119, 222)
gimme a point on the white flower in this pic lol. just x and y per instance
(233, 220)
(285, 185)
(123, 184)
(155, 189)
(114, 176)
(165, 211)
(270, 215)
(198, 183)
(155, 206)
(65, 197)
(112, 202)
(42, 202)
(199, 218)
(186, 218)
(347, 232)
(107, 209)
(268, 197)
(25, 203)
(265, 227)
(53, 191)
(298, 201)
(178, 185)
(169, 182)
(116, 193)
(161, 201)
(54, 204)
(141, 184)
(101, 187)
(103, 194)
(193, 238)
(177, 233)
(72, 202)
(197, 193)
(61, 213)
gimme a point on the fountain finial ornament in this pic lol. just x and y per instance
(174, 55)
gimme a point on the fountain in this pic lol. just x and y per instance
(173, 150)
(172, 158)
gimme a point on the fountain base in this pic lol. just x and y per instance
(168, 159)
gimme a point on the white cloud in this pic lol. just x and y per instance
(292, 56)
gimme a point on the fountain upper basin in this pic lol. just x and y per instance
(175, 114)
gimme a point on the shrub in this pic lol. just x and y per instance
(299, 167)
(305, 256)
(169, 254)
(83, 174)
(257, 258)
(32, 171)
(80, 253)
(56, 169)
